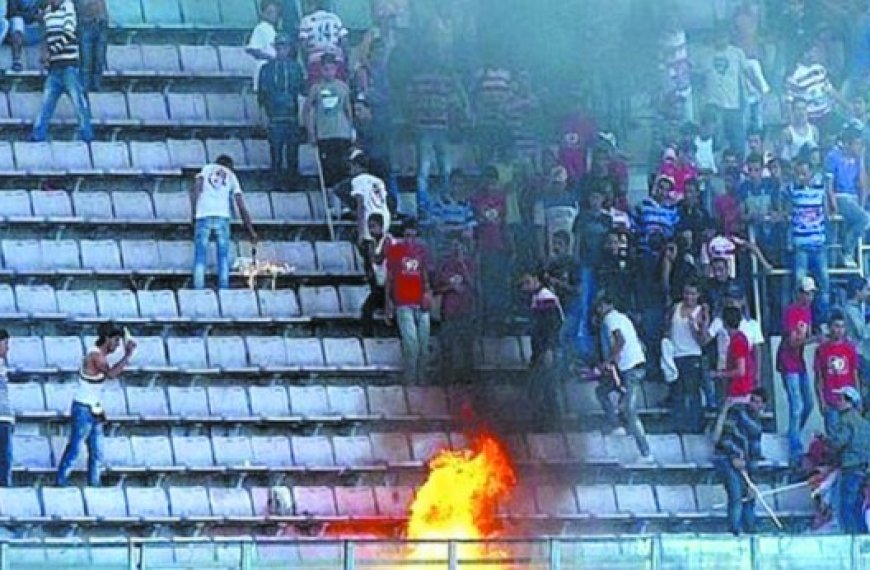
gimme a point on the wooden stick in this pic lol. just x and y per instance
(771, 492)
(324, 193)
(757, 493)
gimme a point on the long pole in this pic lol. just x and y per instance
(761, 499)
(323, 194)
(770, 492)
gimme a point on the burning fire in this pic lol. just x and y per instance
(461, 496)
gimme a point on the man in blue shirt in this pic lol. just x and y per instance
(843, 167)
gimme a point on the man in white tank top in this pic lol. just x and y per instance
(799, 132)
(87, 411)
(687, 330)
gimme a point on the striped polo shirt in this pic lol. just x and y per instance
(60, 35)
(808, 213)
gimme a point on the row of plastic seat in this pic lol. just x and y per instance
(117, 158)
(215, 504)
(363, 453)
(141, 208)
(155, 110)
(215, 355)
(152, 257)
(208, 14)
(266, 306)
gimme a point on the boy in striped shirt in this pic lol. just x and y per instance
(60, 54)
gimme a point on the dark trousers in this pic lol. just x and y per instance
(284, 150)
(6, 429)
(334, 159)
(741, 514)
(688, 415)
(852, 501)
(375, 300)
(93, 37)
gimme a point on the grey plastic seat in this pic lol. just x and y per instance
(53, 204)
(259, 206)
(111, 156)
(425, 445)
(23, 255)
(232, 451)
(193, 451)
(93, 205)
(623, 449)
(109, 107)
(278, 304)
(151, 157)
(347, 401)
(186, 154)
(556, 501)
(314, 501)
(352, 299)
(62, 503)
(226, 108)
(391, 448)
(299, 255)
(269, 401)
(201, 13)
(162, 13)
(140, 255)
(188, 401)
(228, 402)
(355, 501)
(163, 58)
(150, 352)
(15, 204)
(133, 205)
(20, 503)
(230, 147)
(266, 351)
(187, 108)
(149, 402)
(227, 352)
(36, 300)
(154, 452)
(61, 255)
(319, 301)
(189, 502)
(230, 503)
(637, 500)
(150, 108)
(187, 353)
(393, 502)
(547, 447)
(34, 157)
(147, 503)
(239, 304)
(26, 397)
(235, 60)
(63, 352)
(775, 449)
(157, 304)
(308, 401)
(596, 500)
(198, 304)
(353, 451)
(676, 500)
(7, 160)
(33, 452)
(100, 255)
(59, 396)
(26, 105)
(698, 450)
(427, 401)
(343, 352)
(117, 452)
(124, 14)
(273, 452)
(335, 257)
(178, 255)
(291, 206)
(708, 496)
(124, 58)
(105, 503)
(8, 307)
(72, 156)
(199, 60)
(383, 353)
(312, 451)
(667, 449)
(114, 399)
(257, 151)
(387, 401)
(119, 305)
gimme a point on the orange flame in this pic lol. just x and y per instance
(461, 496)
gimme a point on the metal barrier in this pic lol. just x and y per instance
(659, 552)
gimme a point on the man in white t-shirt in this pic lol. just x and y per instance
(321, 32)
(370, 195)
(215, 186)
(622, 371)
(261, 45)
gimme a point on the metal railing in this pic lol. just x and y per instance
(652, 552)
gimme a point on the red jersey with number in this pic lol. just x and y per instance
(406, 263)
(837, 362)
(739, 348)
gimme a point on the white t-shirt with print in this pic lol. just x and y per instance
(632, 353)
(321, 32)
(373, 192)
(262, 39)
(219, 185)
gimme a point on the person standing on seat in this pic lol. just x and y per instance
(7, 418)
(60, 55)
(215, 186)
(25, 21)
(87, 411)
(93, 37)
(328, 120)
(281, 84)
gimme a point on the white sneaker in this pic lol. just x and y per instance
(619, 432)
(646, 459)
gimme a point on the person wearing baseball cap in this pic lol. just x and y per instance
(851, 437)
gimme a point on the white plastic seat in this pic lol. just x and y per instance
(308, 401)
(278, 304)
(347, 401)
(152, 157)
(235, 60)
(314, 501)
(273, 452)
(388, 401)
(22, 255)
(257, 151)
(33, 452)
(100, 255)
(111, 156)
(189, 502)
(383, 352)
(178, 255)
(150, 352)
(230, 147)
(117, 452)
(232, 451)
(427, 401)
(547, 447)
(355, 501)
(312, 451)
(124, 58)
(187, 353)
(26, 397)
(297, 254)
(52, 204)
(186, 153)
(187, 108)
(227, 352)
(226, 108)
(199, 60)
(62, 503)
(390, 448)
(259, 206)
(343, 352)
(109, 107)
(152, 451)
(61, 255)
(266, 351)
(93, 205)
(148, 402)
(140, 255)
(596, 499)
(198, 304)
(556, 500)
(393, 502)
(72, 156)
(15, 204)
(676, 500)
(59, 396)
(20, 503)
(291, 206)
(637, 500)
(150, 108)
(36, 299)
(352, 451)
(162, 58)
(319, 301)
(352, 299)
(239, 304)
(119, 305)
(105, 503)
(269, 401)
(424, 446)
(335, 257)
(133, 205)
(193, 451)
(63, 352)
(228, 401)
(230, 503)
(34, 158)
(157, 304)
(147, 503)
(188, 402)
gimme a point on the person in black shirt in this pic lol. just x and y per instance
(616, 272)
(693, 216)
(716, 288)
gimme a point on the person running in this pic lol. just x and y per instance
(87, 412)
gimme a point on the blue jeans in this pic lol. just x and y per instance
(855, 222)
(628, 401)
(852, 501)
(831, 417)
(62, 80)
(431, 146)
(93, 37)
(88, 429)
(741, 514)
(283, 138)
(800, 406)
(814, 261)
(6, 429)
(221, 229)
(414, 329)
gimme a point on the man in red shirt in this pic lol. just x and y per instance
(409, 298)
(490, 210)
(797, 333)
(740, 363)
(455, 284)
(836, 367)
